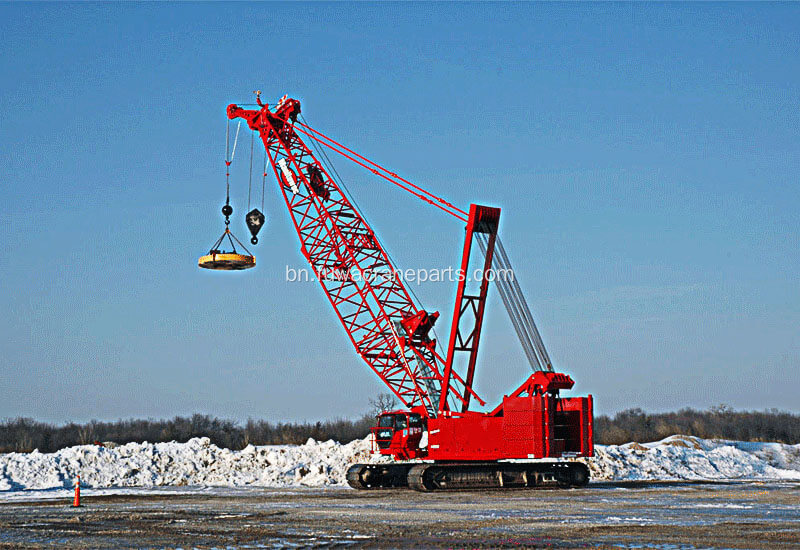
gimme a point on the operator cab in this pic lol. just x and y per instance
(396, 427)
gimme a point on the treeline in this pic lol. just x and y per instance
(25, 434)
(719, 422)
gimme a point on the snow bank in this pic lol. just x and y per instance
(686, 457)
(196, 462)
(316, 464)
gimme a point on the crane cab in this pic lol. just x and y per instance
(398, 433)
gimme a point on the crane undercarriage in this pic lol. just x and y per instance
(456, 476)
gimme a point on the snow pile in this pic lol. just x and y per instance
(686, 457)
(196, 462)
(315, 464)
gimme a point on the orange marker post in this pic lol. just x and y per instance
(77, 502)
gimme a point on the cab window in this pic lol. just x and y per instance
(386, 421)
(415, 421)
(401, 422)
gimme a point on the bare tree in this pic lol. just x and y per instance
(86, 433)
(383, 402)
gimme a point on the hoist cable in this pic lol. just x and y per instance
(321, 152)
(264, 180)
(250, 182)
(315, 143)
(317, 146)
(227, 162)
(229, 159)
(235, 141)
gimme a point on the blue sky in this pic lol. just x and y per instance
(645, 156)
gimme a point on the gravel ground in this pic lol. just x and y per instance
(603, 515)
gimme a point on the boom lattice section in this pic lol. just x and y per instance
(352, 267)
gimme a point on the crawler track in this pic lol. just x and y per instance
(427, 477)
(378, 476)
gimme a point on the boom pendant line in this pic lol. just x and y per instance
(391, 332)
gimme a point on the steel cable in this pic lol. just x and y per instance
(250, 182)
(537, 340)
(513, 314)
(517, 307)
(264, 180)
(434, 392)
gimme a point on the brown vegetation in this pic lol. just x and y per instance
(25, 434)
(719, 422)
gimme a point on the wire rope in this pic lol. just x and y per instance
(250, 181)
(236, 140)
(517, 307)
(513, 314)
(431, 199)
(317, 146)
(328, 143)
(227, 162)
(525, 310)
(264, 180)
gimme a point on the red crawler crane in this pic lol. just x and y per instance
(391, 333)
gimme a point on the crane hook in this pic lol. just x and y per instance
(255, 221)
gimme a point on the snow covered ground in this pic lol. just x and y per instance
(685, 457)
(198, 463)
